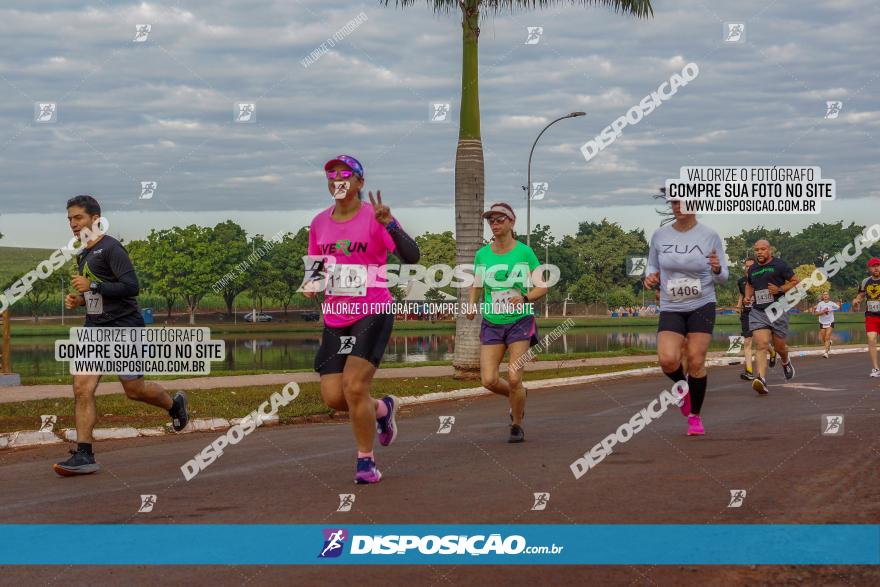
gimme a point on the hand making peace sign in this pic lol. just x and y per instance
(383, 212)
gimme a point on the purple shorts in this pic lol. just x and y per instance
(526, 328)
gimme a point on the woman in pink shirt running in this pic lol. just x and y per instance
(353, 239)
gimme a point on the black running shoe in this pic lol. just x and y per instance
(772, 359)
(747, 376)
(179, 412)
(788, 370)
(516, 434)
(759, 385)
(81, 463)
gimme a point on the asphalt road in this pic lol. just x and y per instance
(771, 446)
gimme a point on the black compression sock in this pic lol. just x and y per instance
(697, 386)
(677, 375)
(84, 447)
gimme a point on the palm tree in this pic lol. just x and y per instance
(469, 175)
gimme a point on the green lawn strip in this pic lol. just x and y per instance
(116, 410)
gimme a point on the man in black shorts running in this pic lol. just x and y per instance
(108, 288)
(768, 280)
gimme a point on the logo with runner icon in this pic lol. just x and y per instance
(541, 501)
(636, 265)
(141, 32)
(334, 542)
(533, 35)
(245, 112)
(540, 189)
(148, 502)
(148, 190)
(734, 32)
(832, 424)
(736, 344)
(47, 423)
(346, 345)
(440, 112)
(346, 500)
(832, 109)
(446, 423)
(340, 189)
(737, 498)
(45, 112)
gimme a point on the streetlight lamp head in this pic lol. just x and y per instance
(574, 114)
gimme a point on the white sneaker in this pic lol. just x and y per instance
(875, 372)
(825, 354)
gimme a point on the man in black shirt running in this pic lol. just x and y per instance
(108, 288)
(768, 280)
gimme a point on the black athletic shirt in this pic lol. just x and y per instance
(777, 272)
(871, 287)
(741, 284)
(107, 263)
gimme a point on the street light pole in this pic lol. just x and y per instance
(528, 188)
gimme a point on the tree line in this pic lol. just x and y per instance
(184, 265)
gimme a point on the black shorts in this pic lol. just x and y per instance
(824, 326)
(744, 323)
(366, 338)
(134, 320)
(700, 320)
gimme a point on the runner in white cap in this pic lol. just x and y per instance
(825, 311)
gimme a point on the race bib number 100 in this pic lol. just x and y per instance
(347, 280)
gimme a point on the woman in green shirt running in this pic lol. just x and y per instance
(503, 270)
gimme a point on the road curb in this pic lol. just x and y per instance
(29, 438)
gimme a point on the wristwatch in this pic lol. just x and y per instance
(93, 286)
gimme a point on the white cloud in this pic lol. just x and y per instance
(520, 121)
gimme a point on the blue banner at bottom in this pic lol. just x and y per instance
(225, 544)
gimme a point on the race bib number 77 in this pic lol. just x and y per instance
(94, 303)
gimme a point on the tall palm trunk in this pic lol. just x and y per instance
(469, 189)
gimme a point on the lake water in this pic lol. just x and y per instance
(297, 351)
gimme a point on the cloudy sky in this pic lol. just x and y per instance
(163, 109)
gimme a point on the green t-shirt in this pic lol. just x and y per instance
(511, 271)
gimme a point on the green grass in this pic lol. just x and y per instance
(117, 410)
(16, 261)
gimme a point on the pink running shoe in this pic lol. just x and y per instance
(695, 426)
(681, 390)
(367, 472)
